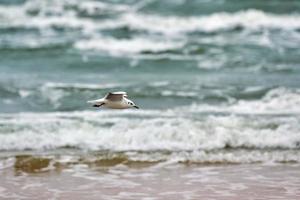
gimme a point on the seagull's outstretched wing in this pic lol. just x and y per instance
(96, 102)
(115, 96)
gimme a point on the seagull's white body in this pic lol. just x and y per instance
(114, 100)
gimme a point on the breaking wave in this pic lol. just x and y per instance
(146, 131)
(46, 162)
(249, 19)
(275, 101)
(77, 14)
(245, 131)
(90, 25)
(124, 46)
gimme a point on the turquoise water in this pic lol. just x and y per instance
(216, 81)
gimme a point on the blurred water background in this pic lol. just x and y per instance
(218, 83)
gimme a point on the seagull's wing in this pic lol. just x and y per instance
(97, 101)
(115, 96)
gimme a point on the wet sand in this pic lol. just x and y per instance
(148, 181)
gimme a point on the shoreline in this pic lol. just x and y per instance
(152, 181)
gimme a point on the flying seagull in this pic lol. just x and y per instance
(115, 100)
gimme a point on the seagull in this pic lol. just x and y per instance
(114, 100)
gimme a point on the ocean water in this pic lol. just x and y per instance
(218, 83)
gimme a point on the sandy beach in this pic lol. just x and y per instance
(32, 177)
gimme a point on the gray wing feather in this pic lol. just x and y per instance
(115, 96)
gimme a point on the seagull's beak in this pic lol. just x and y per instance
(136, 107)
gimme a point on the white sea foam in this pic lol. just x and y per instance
(6, 163)
(24, 93)
(279, 100)
(146, 131)
(52, 15)
(121, 46)
(276, 101)
(251, 19)
(238, 156)
(57, 14)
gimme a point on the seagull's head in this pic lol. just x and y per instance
(131, 104)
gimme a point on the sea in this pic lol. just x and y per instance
(217, 83)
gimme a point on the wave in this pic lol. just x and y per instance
(125, 46)
(33, 46)
(86, 26)
(244, 132)
(78, 14)
(32, 162)
(249, 100)
(61, 14)
(197, 99)
(93, 8)
(276, 101)
(8, 90)
(249, 19)
(149, 130)
(58, 93)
